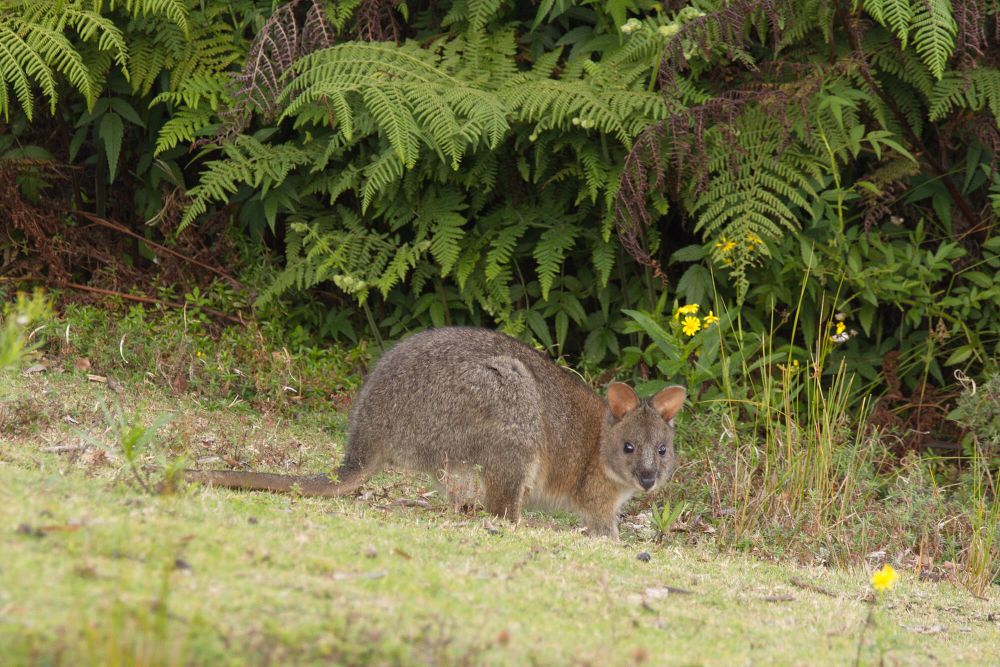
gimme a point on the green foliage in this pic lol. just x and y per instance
(17, 317)
(133, 438)
(474, 169)
(929, 22)
(35, 49)
(973, 90)
(665, 517)
(684, 347)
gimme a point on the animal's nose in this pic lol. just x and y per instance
(647, 480)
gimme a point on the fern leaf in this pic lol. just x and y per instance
(386, 169)
(502, 249)
(447, 233)
(934, 31)
(551, 251)
(18, 62)
(603, 258)
(390, 108)
(893, 14)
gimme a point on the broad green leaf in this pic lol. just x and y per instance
(110, 131)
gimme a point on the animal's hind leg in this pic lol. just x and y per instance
(504, 495)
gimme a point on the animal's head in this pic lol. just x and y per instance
(637, 442)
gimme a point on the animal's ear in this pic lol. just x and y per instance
(669, 401)
(622, 399)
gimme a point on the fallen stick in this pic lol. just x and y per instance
(147, 299)
(811, 587)
(122, 229)
(60, 449)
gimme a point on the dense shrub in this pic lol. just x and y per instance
(537, 167)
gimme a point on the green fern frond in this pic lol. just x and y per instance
(975, 90)
(754, 190)
(247, 161)
(407, 91)
(440, 215)
(502, 249)
(905, 65)
(550, 252)
(603, 259)
(385, 170)
(184, 126)
(20, 65)
(934, 31)
(175, 10)
(897, 15)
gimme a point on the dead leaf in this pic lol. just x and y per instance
(926, 629)
(82, 364)
(97, 378)
(179, 384)
(37, 368)
(85, 571)
(402, 554)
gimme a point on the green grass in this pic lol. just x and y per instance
(95, 571)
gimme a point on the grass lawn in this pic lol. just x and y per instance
(96, 571)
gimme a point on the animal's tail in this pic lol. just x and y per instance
(306, 485)
(359, 462)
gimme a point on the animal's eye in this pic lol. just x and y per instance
(662, 450)
(629, 448)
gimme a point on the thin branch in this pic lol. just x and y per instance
(158, 247)
(147, 299)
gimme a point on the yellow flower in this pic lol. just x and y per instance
(841, 327)
(753, 241)
(691, 325)
(725, 245)
(710, 319)
(883, 580)
(689, 309)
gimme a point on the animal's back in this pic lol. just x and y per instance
(453, 396)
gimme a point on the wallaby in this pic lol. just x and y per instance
(456, 400)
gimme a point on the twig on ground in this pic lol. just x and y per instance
(811, 587)
(122, 229)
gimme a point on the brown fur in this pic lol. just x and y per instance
(457, 400)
